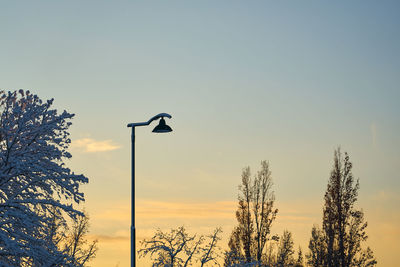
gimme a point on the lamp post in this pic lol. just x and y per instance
(162, 127)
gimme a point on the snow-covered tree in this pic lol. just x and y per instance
(34, 180)
(178, 248)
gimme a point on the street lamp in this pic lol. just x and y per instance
(162, 127)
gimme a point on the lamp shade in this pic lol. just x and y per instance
(162, 127)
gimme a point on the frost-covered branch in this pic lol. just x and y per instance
(178, 248)
(34, 180)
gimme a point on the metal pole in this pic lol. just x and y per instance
(133, 230)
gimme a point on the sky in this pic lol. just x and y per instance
(245, 81)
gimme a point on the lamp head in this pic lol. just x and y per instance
(162, 127)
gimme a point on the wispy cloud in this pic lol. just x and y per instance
(202, 210)
(90, 145)
(148, 209)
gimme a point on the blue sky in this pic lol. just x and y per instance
(244, 81)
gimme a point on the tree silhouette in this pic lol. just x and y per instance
(72, 240)
(76, 244)
(300, 259)
(285, 250)
(178, 248)
(255, 215)
(317, 248)
(340, 241)
(209, 253)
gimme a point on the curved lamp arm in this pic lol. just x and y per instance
(156, 117)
